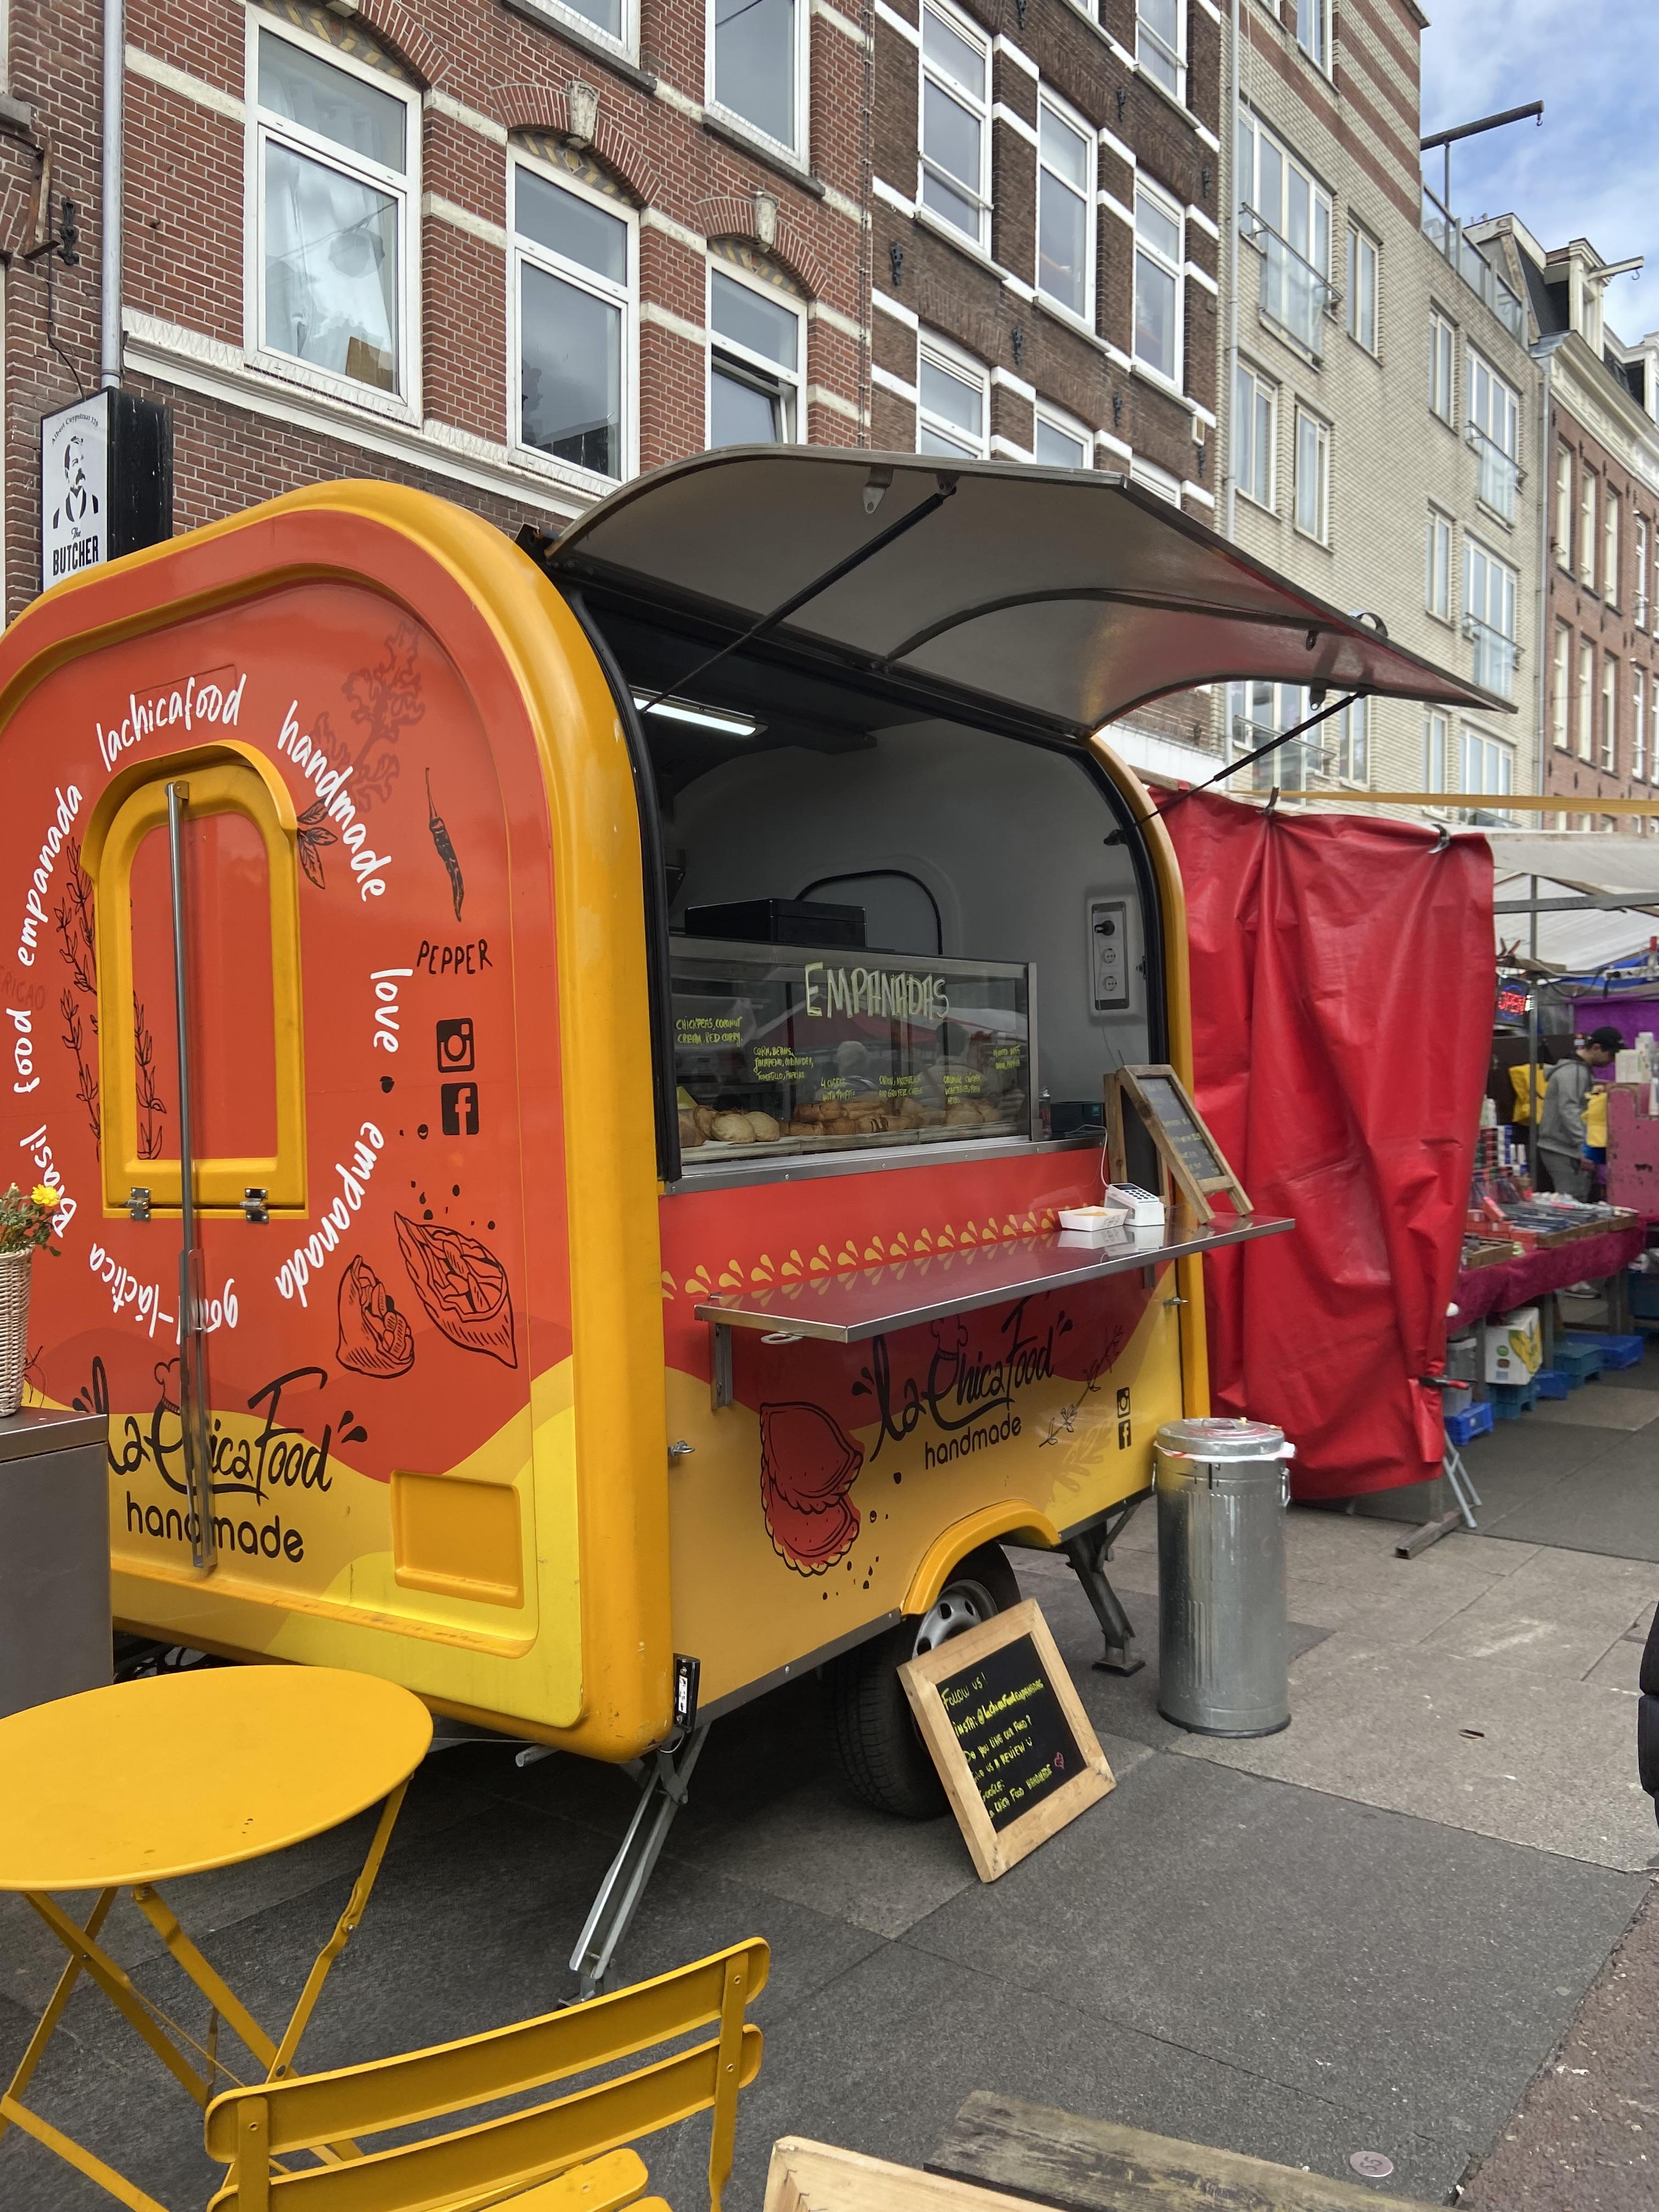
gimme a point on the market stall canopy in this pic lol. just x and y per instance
(1072, 595)
(1575, 864)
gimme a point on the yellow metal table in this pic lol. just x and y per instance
(146, 1782)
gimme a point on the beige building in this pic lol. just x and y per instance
(1380, 432)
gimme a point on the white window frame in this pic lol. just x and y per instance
(1314, 15)
(1066, 426)
(1493, 754)
(1177, 92)
(1613, 514)
(1501, 597)
(1442, 353)
(1245, 440)
(1609, 751)
(759, 364)
(521, 249)
(1068, 115)
(797, 152)
(979, 103)
(1586, 699)
(1360, 244)
(261, 127)
(625, 42)
(1162, 483)
(1561, 704)
(1589, 544)
(1492, 413)
(955, 363)
(1260, 227)
(1166, 205)
(1320, 529)
(1563, 507)
(1348, 723)
(1638, 726)
(1437, 744)
(1439, 546)
(1638, 613)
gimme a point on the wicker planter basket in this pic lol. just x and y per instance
(14, 1327)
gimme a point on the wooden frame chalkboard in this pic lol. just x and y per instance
(1175, 1125)
(1009, 1736)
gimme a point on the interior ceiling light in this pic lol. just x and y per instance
(702, 718)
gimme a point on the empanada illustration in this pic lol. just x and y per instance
(462, 1286)
(375, 1339)
(807, 1467)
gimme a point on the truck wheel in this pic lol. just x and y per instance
(881, 1753)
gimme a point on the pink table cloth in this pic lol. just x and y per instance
(1482, 1291)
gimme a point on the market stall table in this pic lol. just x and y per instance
(1483, 1290)
(146, 1782)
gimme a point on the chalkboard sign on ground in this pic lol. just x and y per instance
(1012, 1744)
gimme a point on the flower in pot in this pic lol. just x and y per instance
(25, 1229)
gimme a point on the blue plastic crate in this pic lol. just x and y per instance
(1552, 1382)
(1577, 1362)
(1463, 1428)
(1511, 1400)
(1644, 1295)
(1616, 1351)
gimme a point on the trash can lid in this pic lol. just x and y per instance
(1213, 1436)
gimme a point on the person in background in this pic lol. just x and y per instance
(1561, 1124)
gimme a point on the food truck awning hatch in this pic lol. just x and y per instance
(1067, 594)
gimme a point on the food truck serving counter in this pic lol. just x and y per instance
(641, 1002)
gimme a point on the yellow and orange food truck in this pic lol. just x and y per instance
(560, 1062)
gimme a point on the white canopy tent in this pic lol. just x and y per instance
(1619, 870)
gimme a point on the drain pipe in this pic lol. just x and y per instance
(1228, 165)
(115, 84)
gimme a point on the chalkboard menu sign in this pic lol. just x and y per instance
(1158, 1098)
(1012, 1742)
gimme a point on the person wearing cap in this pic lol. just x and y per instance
(1561, 1123)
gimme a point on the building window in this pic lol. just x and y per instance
(1435, 729)
(1587, 545)
(1610, 516)
(614, 20)
(1285, 212)
(1610, 714)
(1639, 724)
(1564, 508)
(1489, 602)
(1066, 199)
(334, 145)
(1443, 344)
(1561, 698)
(1488, 764)
(1362, 288)
(1256, 712)
(1586, 699)
(955, 124)
(754, 364)
(1059, 442)
(1158, 285)
(1313, 31)
(955, 404)
(1493, 429)
(1256, 425)
(1351, 748)
(573, 282)
(1638, 613)
(1313, 473)
(1437, 579)
(1159, 482)
(756, 61)
(1161, 44)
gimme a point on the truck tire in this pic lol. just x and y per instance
(880, 1753)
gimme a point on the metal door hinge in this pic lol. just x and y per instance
(138, 1202)
(254, 1206)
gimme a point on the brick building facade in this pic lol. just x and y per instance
(511, 253)
(1600, 676)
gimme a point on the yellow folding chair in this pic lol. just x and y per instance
(561, 2156)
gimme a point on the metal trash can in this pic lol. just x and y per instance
(1223, 1486)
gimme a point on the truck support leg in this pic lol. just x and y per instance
(667, 1779)
(1088, 1554)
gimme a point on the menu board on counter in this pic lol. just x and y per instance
(782, 1048)
(1013, 1747)
(1158, 1098)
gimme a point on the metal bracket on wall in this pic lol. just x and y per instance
(667, 1781)
(720, 1364)
(1088, 1554)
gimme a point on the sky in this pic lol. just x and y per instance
(1582, 173)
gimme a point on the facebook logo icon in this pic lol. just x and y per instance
(459, 1105)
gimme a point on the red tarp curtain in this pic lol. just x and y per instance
(1343, 986)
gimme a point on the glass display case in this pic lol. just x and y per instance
(781, 1049)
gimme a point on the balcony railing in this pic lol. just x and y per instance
(1443, 227)
(1496, 657)
(1300, 765)
(1295, 296)
(1501, 473)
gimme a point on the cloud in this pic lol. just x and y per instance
(1572, 177)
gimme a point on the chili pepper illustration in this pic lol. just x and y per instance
(434, 822)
